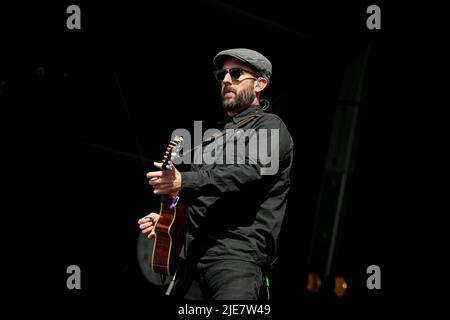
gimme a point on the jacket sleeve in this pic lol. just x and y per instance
(220, 179)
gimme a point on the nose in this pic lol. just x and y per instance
(227, 79)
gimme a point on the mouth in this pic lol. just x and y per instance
(227, 92)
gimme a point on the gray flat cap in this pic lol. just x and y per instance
(254, 59)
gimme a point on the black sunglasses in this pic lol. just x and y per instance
(235, 73)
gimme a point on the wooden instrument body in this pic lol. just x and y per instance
(170, 231)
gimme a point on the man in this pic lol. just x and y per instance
(234, 210)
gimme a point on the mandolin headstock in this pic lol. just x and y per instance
(172, 152)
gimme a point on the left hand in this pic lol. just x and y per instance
(147, 224)
(165, 181)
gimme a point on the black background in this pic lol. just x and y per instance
(81, 108)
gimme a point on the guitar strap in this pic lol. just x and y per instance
(247, 120)
(240, 124)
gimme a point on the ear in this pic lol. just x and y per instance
(261, 84)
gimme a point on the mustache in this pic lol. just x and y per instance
(228, 89)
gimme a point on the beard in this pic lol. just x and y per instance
(241, 99)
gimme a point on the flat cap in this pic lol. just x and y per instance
(254, 59)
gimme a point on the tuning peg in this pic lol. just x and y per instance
(175, 155)
(177, 139)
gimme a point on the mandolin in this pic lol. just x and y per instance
(171, 226)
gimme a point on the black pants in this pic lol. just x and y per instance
(220, 280)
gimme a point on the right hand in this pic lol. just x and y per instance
(147, 224)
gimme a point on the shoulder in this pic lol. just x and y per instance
(270, 121)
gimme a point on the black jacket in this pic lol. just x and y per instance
(235, 211)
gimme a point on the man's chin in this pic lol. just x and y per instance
(228, 104)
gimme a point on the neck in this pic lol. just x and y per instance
(233, 113)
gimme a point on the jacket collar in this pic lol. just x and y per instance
(241, 115)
